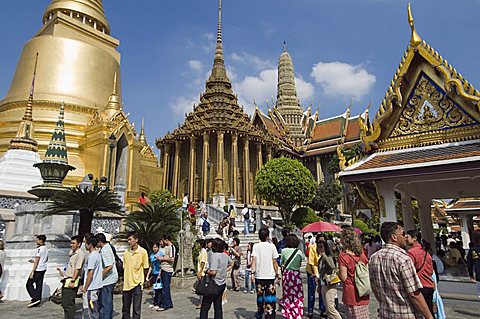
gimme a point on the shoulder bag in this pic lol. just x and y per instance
(206, 287)
(289, 260)
(362, 277)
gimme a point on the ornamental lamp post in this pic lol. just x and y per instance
(112, 140)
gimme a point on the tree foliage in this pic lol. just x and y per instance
(349, 153)
(360, 224)
(162, 197)
(303, 216)
(151, 222)
(287, 183)
(87, 202)
(327, 196)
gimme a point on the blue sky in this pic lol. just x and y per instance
(341, 49)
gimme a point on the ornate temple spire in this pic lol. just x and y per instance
(57, 148)
(415, 39)
(114, 104)
(89, 12)
(219, 72)
(142, 138)
(24, 138)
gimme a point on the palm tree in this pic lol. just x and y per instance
(87, 201)
(151, 222)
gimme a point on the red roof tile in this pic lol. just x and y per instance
(328, 129)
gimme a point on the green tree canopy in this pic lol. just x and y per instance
(327, 196)
(303, 216)
(163, 197)
(287, 183)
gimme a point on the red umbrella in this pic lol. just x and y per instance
(319, 227)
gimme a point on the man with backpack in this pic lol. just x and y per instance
(205, 225)
(393, 278)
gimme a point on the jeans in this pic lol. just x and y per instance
(312, 290)
(129, 296)
(90, 304)
(266, 298)
(166, 300)
(328, 293)
(157, 293)
(249, 284)
(106, 301)
(68, 302)
(217, 304)
(35, 292)
(247, 226)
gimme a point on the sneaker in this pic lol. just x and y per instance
(160, 309)
(252, 292)
(155, 308)
(245, 291)
(34, 303)
(151, 306)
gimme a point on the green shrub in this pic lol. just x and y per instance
(303, 216)
(360, 224)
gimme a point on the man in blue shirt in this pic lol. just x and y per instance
(109, 277)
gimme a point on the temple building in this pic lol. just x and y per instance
(424, 142)
(79, 66)
(219, 148)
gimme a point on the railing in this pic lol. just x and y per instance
(215, 213)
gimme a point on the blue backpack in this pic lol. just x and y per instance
(206, 226)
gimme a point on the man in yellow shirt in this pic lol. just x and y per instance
(313, 278)
(135, 265)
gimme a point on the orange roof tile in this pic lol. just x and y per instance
(328, 129)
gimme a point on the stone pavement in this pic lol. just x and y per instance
(239, 305)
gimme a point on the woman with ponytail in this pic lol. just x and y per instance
(419, 252)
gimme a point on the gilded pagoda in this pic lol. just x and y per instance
(79, 67)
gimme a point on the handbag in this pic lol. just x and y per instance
(332, 279)
(236, 264)
(158, 283)
(206, 287)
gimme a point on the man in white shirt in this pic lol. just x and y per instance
(246, 219)
(265, 270)
(35, 279)
(92, 279)
(185, 202)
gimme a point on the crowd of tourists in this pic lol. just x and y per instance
(398, 268)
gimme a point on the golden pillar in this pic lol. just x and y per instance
(259, 156)
(206, 138)
(269, 153)
(319, 170)
(220, 157)
(191, 175)
(166, 165)
(235, 165)
(246, 157)
(176, 168)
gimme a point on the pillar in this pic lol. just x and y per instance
(269, 153)
(176, 168)
(259, 156)
(319, 169)
(192, 166)
(465, 230)
(166, 165)
(407, 212)
(220, 158)
(426, 223)
(235, 165)
(387, 202)
(206, 139)
(246, 169)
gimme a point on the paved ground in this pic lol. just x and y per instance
(239, 305)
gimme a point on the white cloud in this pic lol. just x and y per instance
(195, 65)
(343, 79)
(256, 62)
(182, 105)
(264, 86)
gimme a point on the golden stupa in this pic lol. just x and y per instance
(79, 65)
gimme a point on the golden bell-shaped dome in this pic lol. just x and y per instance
(91, 9)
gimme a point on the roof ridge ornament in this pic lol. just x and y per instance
(415, 39)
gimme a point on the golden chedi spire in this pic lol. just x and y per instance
(114, 104)
(219, 72)
(87, 11)
(415, 39)
(24, 138)
(142, 138)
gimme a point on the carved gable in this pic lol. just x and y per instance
(429, 109)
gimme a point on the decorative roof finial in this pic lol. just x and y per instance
(114, 104)
(219, 31)
(284, 46)
(142, 138)
(415, 39)
(24, 138)
(57, 148)
(219, 73)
